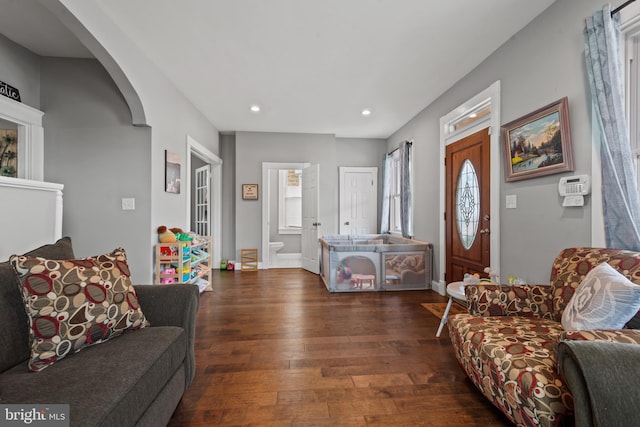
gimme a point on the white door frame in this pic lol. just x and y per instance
(215, 216)
(490, 96)
(373, 208)
(266, 193)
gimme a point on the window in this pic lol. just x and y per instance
(397, 191)
(8, 148)
(471, 117)
(467, 204)
(290, 201)
(395, 224)
(395, 221)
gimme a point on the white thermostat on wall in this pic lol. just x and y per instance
(573, 189)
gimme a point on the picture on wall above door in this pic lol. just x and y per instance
(538, 143)
(172, 168)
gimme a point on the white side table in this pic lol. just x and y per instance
(455, 290)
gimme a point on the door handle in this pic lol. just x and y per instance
(346, 223)
(485, 231)
(316, 224)
(486, 217)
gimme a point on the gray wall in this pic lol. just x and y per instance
(170, 114)
(138, 170)
(228, 155)
(539, 65)
(20, 68)
(254, 148)
(360, 152)
(92, 148)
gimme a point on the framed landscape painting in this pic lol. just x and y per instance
(538, 144)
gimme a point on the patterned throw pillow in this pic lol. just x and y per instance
(75, 303)
(605, 299)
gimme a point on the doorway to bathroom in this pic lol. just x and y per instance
(282, 224)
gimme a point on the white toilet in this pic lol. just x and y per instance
(274, 247)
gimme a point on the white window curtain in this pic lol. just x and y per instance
(406, 185)
(385, 211)
(620, 200)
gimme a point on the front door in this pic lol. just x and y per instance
(358, 200)
(467, 218)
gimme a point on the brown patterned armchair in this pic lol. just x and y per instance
(507, 342)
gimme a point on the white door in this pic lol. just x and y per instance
(310, 224)
(358, 200)
(203, 202)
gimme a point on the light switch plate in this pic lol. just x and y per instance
(512, 201)
(128, 204)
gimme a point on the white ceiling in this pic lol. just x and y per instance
(312, 66)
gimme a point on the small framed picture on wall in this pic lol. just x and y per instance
(249, 191)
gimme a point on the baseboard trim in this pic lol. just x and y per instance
(238, 266)
(287, 261)
(439, 286)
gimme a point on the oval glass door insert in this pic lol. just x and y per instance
(467, 204)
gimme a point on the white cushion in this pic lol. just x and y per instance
(604, 300)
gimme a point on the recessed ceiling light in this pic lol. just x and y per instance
(366, 112)
(255, 108)
(473, 115)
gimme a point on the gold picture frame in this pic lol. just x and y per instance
(249, 191)
(538, 143)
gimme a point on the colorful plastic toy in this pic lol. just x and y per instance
(168, 280)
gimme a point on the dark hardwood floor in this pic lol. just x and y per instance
(273, 347)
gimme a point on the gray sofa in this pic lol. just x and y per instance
(137, 378)
(602, 377)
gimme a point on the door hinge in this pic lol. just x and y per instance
(490, 130)
(445, 216)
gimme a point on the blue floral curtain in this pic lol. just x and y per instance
(621, 203)
(385, 211)
(406, 192)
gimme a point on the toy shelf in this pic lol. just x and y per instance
(184, 262)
